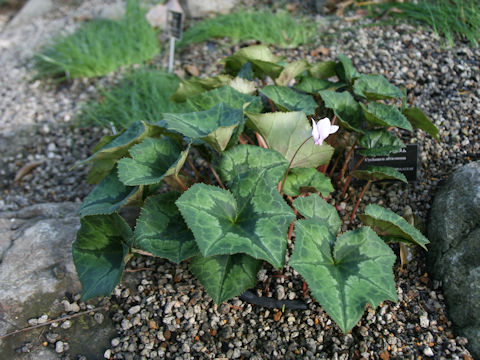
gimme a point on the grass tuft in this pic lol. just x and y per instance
(99, 47)
(142, 94)
(447, 18)
(278, 29)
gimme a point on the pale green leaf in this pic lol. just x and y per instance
(345, 70)
(313, 85)
(291, 71)
(392, 226)
(323, 70)
(343, 279)
(285, 132)
(195, 85)
(262, 59)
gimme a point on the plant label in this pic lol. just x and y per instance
(405, 161)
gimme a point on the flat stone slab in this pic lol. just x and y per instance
(36, 270)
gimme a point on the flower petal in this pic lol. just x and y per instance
(333, 129)
(315, 133)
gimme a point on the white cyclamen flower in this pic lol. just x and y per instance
(322, 129)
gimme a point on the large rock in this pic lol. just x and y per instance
(200, 8)
(454, 233)
(36, 272)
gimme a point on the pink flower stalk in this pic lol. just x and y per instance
(322, 129)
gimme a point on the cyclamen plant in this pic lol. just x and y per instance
(266, 180)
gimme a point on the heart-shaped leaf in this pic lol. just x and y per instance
(314, 207)
(376, 87)
(323, 70)
(419, 120)
(254, 224)
(227, 95)
(194, 86)
(348, 111)
(107, 197)
(161, 230)
(253, 218)
(215, 126)
(310, 179)
(290, 100)
(291, 71)
(379, 143)
(345, 70)
(391, 226)
(285, 132)
(225, 276)
(99, 251)
(151, 161)
(313, 85)
(262, 59)
(375, 173)
(115, 147)
(357, 271)
(379, 114)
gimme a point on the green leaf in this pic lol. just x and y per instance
(314, 207)
(379, 143)
(390, 225)
(357, 271)
(252, 218)
(227, 95)
(290, 100)
(300, 179)
(348, 111)
(313, 85)
(161, 230)
(419, 120)
(215, 126)
(323, 70)
(99, 251)
(254, 222)
(345, 70)
(107, 197)
(194, 86)
(285, 132)
(375, 173)
(245, 165)
(291, 71)
(262, 59)
(100, 168)
(385, 115)
(376, 87)
(225, 276)
(151, 161)
(119, 144)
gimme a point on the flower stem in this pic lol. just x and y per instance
(359, 199)
(261, 141)
(192, 166)
(347, 159)
(280, 189)
(215, 174)
(349, 178)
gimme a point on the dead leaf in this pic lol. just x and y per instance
(322, 50)
(277, 316)
(192, 70)
(25, 169)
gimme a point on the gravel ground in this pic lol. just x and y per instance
(165, 312)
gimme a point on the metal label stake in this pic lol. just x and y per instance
(174, 26)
